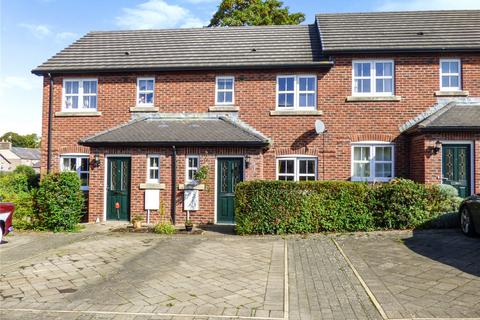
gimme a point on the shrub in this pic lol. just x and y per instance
(33, 177)
(277, 207)
(60, 201)
(14, 187)
(164, 228)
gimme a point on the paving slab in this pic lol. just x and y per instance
(420, 274)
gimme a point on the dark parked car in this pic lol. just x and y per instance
(6, 214)
(470, 215)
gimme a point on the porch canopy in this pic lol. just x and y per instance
(447, 117)
(180, 130)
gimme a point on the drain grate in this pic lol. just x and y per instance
(67, 290)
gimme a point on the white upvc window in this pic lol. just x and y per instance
(450, 74)
(153, 169)
(296, 92)
(372, 161)
(373, 77)
(79, 94)
(145, 91)
(297, 168)
(79, 164)
(225, 90)
(191, 168)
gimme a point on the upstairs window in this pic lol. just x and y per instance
(224, 90)
(153, 169)
(80, 94)
(296, 169)
(372, 162)
(296, 92)
(193, 164)
(79, 164)
(373, 78)
(450, 74)
(145, 91)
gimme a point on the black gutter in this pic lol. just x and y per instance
(49, 129)
(319, 64)
(396, 50)
(174, 184)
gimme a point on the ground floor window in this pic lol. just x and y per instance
(372, 162)
(193, 163)
(153, 164)
(296, 168)
(79, 164)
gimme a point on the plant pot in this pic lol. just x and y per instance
(188, 228)
(137, 224)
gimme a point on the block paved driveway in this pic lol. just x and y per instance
(105, 275)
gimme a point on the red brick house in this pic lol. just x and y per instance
(137, 113)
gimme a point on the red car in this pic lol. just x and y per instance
(6, 214)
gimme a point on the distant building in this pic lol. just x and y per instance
(11, 157)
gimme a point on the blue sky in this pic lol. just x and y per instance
(34, 30)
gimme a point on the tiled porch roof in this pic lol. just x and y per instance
(452, 116)
(180, 130)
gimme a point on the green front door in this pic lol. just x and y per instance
(456, 167)
(118, 189)
(229, 173)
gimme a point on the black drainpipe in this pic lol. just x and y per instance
(174, 184)
(49, 129)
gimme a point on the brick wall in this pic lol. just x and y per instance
(416, 80)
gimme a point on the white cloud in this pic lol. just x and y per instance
(399, 5)
(40, 31)
(16, 82)
(61, 36)
(157, 14)
(203, 1)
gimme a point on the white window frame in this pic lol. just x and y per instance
(217, 90)
(373, 77)
(78, 158)
(296, 167)
(149, 168)
(80, 95)
(459, 75)
(372, 145)
(188, 168)
(296, 92)
(145, 91)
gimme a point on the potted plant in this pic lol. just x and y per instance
(188, 225)
(137, 222)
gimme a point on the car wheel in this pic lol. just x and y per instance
(466, 222)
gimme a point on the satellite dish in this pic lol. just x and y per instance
(319, 126)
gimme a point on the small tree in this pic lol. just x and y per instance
(60, 201)
(254, 13)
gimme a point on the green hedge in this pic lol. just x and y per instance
(16, 188)
(59, 201)
(278, 207)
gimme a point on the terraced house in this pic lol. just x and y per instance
(138, 113)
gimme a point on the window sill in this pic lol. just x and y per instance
(78, 114)
(152, 186)
(144, 109)
(226, 108)
(372, 98)
(371, 180)
(296, 113)
(455, 93)
(183, 186)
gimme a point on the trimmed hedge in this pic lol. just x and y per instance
(59, 201)
(16, 188)
(279, 207)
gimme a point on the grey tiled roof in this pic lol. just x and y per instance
(454, 30)
(27, 153)
(180, 131)
(187, 49)
(456, 116)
